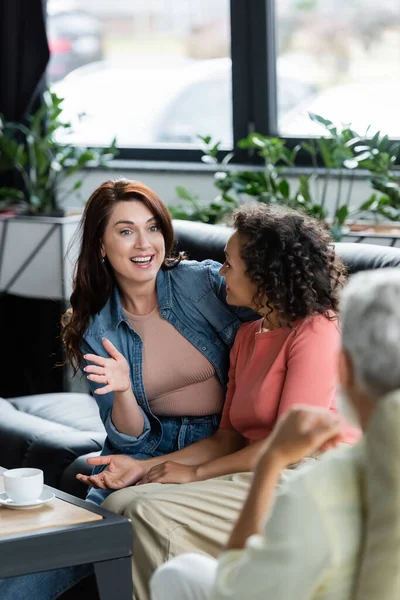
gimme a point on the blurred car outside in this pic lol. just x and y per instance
(160, 104)
(75, 38)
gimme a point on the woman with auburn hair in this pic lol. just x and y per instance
(152, 331)
(281, 264)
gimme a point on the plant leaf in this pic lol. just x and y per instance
(342, 214)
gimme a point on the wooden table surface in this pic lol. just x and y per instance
(56, 513)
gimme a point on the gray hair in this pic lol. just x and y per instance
(370, 318)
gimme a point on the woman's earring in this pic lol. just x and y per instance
(103, 258)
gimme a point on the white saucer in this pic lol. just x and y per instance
(45, 497)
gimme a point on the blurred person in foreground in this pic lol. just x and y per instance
(330, 531)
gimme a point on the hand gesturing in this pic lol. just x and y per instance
(122, 471)
(113, 372)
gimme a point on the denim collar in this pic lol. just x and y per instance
(116, 307)
(164, 296)
(164, 292)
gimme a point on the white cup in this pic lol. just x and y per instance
(23, 485)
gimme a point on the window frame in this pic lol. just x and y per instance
(249, 22)
(254, 90)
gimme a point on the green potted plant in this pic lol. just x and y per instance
(41, 162)
(30, 211)
(341, 153)
(344, 152)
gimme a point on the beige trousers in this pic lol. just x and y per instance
(171, 519)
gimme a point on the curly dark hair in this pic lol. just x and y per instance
(291, 258)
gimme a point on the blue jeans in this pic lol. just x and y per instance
(46, 585)
(178, 432)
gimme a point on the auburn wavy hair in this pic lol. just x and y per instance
(291, 259)
(94, 278)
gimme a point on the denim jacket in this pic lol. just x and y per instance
(191, 297)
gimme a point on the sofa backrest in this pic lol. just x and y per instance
(201, 241)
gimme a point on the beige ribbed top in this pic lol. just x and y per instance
(178, 379)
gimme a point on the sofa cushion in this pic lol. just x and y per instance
(49, 431)
(78, 411)
(202, 241)
(362, 257)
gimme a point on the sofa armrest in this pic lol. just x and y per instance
(45, 441)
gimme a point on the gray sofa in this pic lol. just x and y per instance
(57, 432)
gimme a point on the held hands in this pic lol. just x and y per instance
(169, 472)
(113, 372)
(122, 471)
(301, 432)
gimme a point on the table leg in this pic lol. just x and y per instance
(114, 579)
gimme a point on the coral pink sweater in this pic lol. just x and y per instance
(272, 370)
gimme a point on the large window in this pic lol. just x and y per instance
(151, 72)
(348, 52)
(156, 73)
